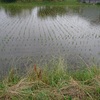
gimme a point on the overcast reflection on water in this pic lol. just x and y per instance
(41, 33)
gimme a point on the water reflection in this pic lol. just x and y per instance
(48, 32)
(13, 11)
(53, 12)
(91, 14)
(96, 21)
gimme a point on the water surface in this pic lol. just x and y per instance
(36, 35)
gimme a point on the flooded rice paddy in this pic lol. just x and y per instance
(36, 35)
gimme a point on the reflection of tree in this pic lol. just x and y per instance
(51, 11)
(16, 10)
(96, 21)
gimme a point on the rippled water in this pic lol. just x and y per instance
(35, 35)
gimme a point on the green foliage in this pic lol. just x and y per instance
(86, 74)
(52, 83)
(9, 1)
(43, 1)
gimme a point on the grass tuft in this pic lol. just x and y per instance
(52, 83)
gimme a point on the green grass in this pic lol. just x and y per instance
(52, 83)
(46, 3)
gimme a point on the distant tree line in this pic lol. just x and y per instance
(8, 0)
(29, 0)
(26, 0)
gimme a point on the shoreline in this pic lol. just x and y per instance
(46, 3)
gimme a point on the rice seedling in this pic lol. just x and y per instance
(58, 32)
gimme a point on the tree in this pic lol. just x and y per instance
(8, 0)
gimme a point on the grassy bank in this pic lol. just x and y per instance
(46, 3)
(52, 83)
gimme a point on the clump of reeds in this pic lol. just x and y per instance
(54, 83)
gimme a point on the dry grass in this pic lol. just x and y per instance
(54, 84)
